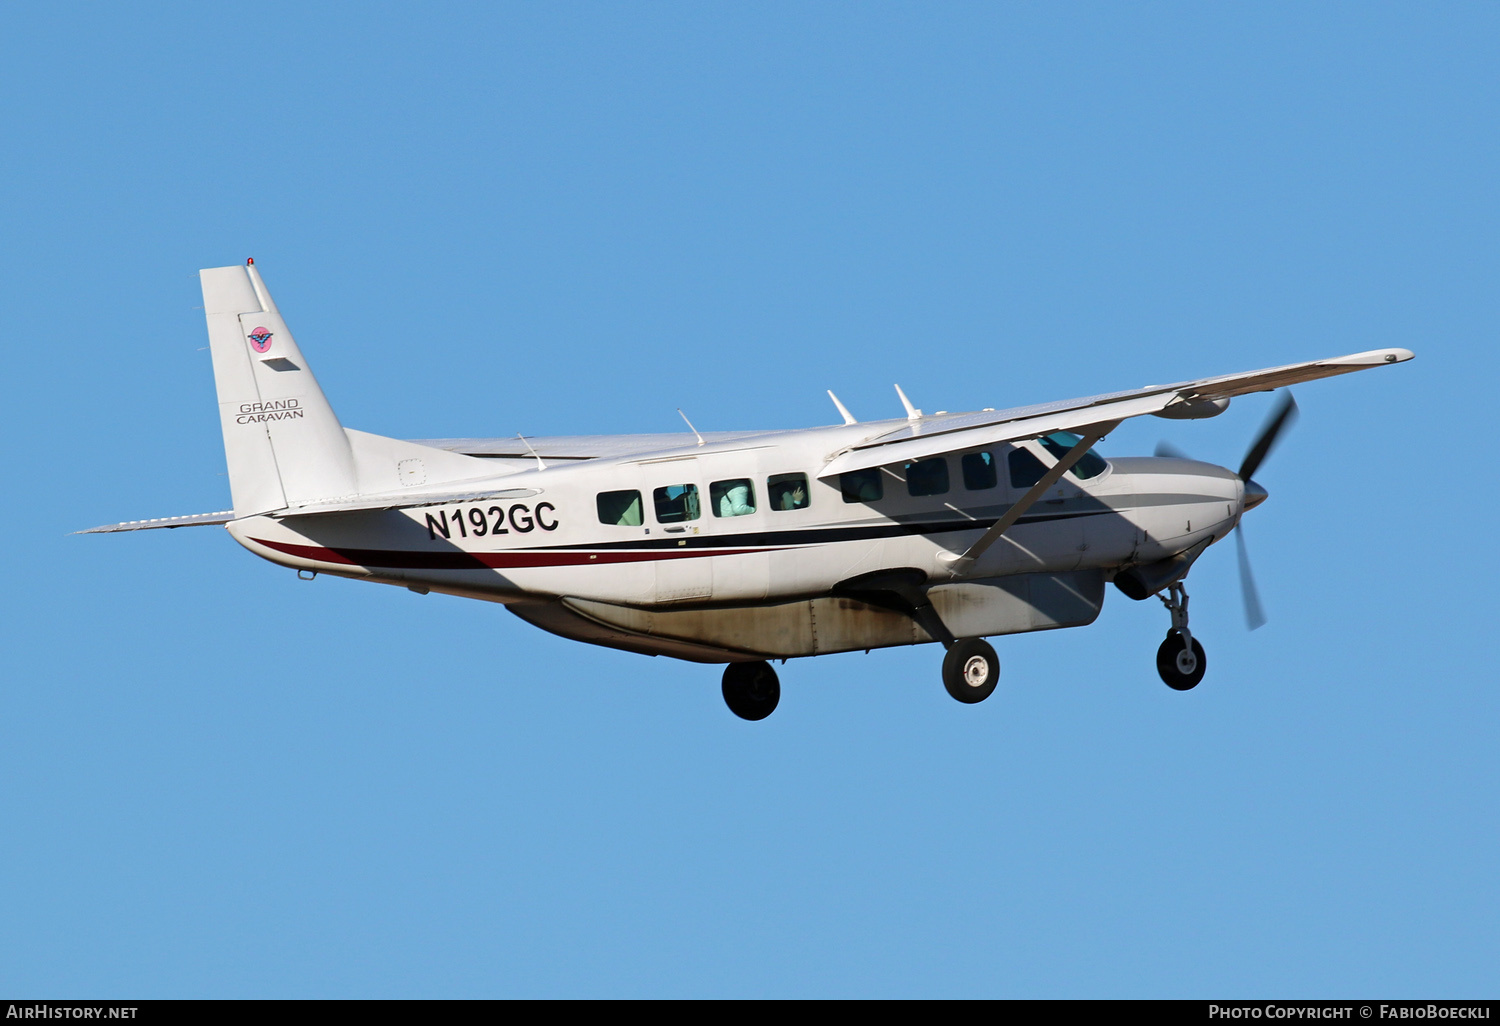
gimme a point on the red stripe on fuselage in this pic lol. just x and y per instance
(458, 559)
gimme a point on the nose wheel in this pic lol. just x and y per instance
(751, 690)
(1180, 660)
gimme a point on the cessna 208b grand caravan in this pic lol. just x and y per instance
(740, 548)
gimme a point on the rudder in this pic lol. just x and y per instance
(282, 442)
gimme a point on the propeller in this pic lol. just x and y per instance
(1282, 417)
(1255, 616)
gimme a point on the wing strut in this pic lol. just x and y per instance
(960, 564)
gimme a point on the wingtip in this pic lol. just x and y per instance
(1376, 357)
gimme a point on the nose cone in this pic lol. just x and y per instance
(1254, 495)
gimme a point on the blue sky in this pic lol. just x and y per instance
(217, 780)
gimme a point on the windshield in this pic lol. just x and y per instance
(1059, 442)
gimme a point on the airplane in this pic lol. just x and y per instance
(740, 548)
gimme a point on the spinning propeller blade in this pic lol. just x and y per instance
(1281, 419)
(1255, 616)
(1166, 448)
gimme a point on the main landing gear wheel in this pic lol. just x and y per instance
(751, 690)
(1181, 662)
(971, 670)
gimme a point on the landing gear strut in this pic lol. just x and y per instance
(1180, 659)
(751, 690)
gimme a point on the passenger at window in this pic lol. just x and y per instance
(732, 498)
(788, 491)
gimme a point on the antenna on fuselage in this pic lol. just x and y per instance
(912, 413)
(539, 464)
(843, 410)
(689, 424)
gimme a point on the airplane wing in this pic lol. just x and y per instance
(932, 436)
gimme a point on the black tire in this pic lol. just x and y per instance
(971, 670)
(751, 690)
(1180, 674)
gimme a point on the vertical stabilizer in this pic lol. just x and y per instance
(283, 444)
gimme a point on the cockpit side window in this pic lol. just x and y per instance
(1059, 442)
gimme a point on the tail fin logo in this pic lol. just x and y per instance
(260, 338)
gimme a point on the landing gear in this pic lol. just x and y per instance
(1180, 660)
(971, 670)
(751, 690)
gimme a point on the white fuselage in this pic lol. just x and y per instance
(546, 542)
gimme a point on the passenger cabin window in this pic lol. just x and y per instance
(1059, 442)
(862, 485)
(623, 509)
(979, 471)
(788, 491)
(1025, 469)
(676, 503)
(927, 477)
(732, 498)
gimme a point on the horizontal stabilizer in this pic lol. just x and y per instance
(191, 520)
(363, 504)
(404, 500)
(578, 447)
